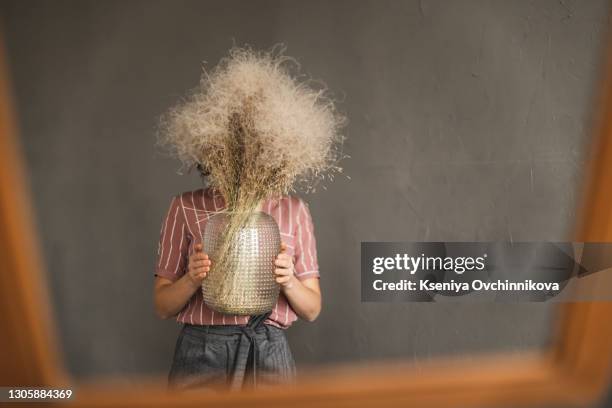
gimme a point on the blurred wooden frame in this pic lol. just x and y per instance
(575, 370)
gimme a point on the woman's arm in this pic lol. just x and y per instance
(170, 297)
(304, 296)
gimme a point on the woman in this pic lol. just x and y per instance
(254, 131)
(210, 349)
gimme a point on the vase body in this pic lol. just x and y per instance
(247, 286)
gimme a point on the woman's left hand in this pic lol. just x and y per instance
(285, 275)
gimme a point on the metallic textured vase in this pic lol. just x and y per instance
(248, 285)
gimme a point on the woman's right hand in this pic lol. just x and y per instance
(199, 265)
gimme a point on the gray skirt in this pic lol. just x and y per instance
(220, 356)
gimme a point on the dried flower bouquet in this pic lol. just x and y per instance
(258, 130)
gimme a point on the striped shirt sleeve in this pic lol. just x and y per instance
(173, 244)
(306, 263)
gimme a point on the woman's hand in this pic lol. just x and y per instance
(303, 296)
(199, 266)
(285, 275)
(170, 297)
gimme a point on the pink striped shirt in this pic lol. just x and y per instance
(180, 231)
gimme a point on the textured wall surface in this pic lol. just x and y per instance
(468, 121)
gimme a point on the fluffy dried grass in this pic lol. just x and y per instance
(257, 129)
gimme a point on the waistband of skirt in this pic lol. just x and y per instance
(226, 329)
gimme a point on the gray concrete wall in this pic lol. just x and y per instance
(468, 121)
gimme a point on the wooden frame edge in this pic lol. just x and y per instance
(28, 340)
(583, 344)
(576, 370)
